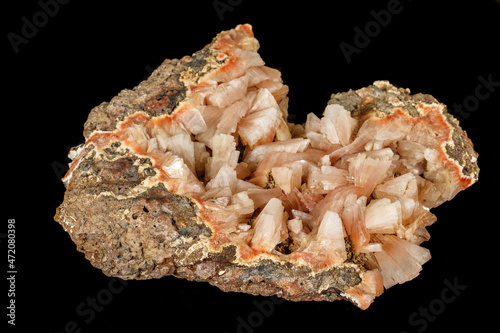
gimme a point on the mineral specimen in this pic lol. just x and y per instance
(196, 173)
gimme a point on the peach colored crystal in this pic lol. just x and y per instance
(197, 173)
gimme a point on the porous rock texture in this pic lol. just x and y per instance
(196, 173)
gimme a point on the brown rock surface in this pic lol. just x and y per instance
(196, 173)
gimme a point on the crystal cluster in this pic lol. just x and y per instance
(197, 173)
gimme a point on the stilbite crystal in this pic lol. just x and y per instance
(196, 173)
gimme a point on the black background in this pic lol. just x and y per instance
(90, 50)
